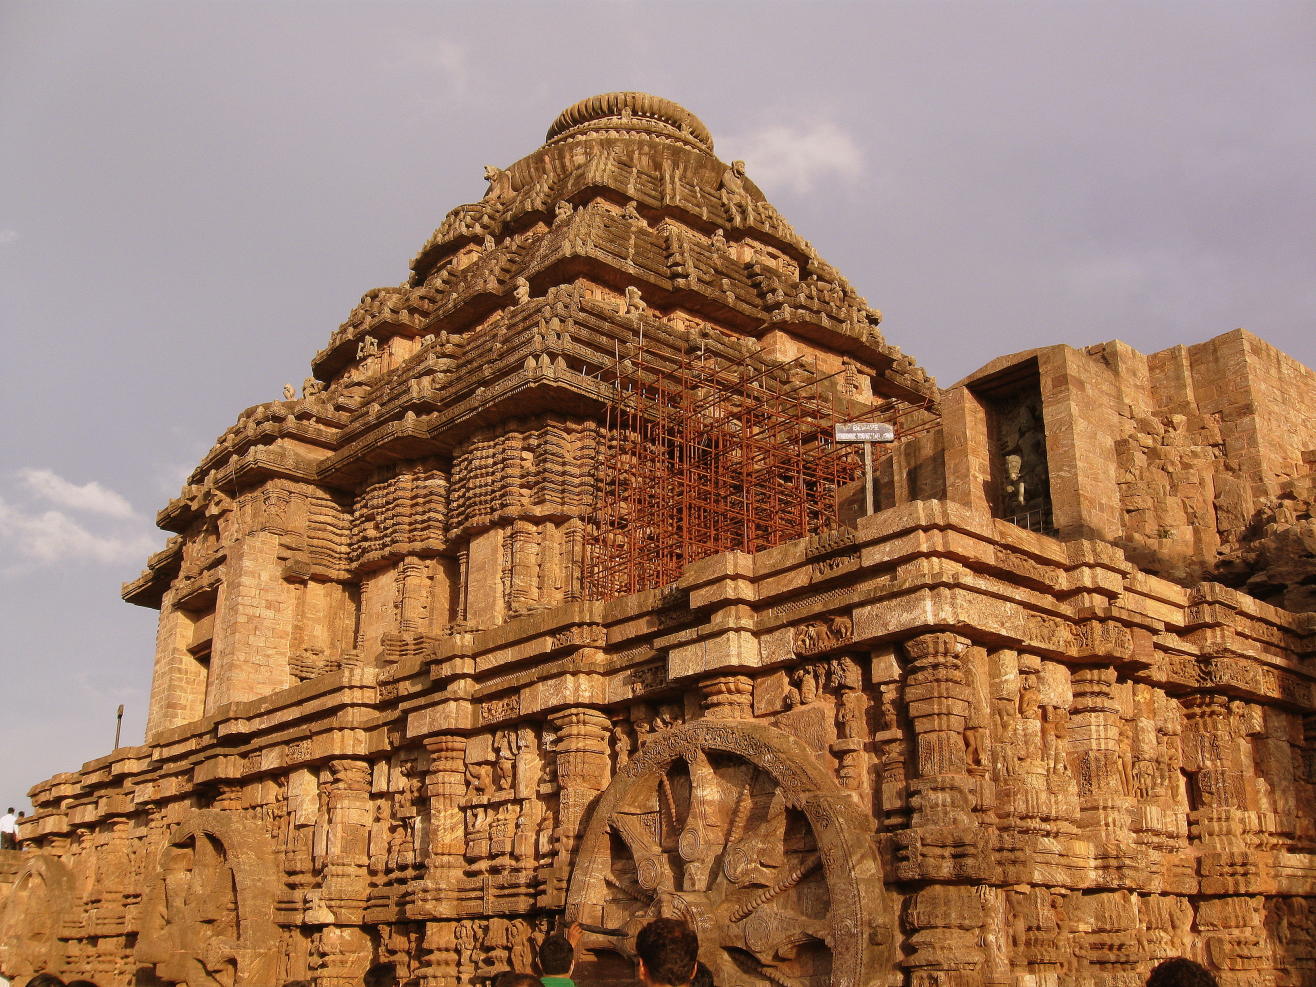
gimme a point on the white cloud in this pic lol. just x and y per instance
(37, 525)
(8, 236)
(90, 497)
(450, 58)
(797, 158)
(53, 536)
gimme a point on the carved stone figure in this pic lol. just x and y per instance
(735, 197)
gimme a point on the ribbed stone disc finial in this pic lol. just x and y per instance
(638, 113)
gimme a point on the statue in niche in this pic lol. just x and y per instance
(467, 936)
(1015, 485)
(562, 212)
(623, 742)
(631, 213)
(669, 715)
(888, 716)
(806, 686)
(844, 674)
(412, 783)
(719, 240)
(505, 760)
(1021, 446)
(378, 852)
(521, 290)
(523, 835)
(519, 945)
(544, 835)
(1029, 697)
(479, 778)
(1055, 739)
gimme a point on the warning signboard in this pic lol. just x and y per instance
(864, 432)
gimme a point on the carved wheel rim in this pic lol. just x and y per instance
(736, 828)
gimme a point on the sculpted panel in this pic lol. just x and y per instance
(208, 914)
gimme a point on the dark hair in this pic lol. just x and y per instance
(1180, 972)
(509, 979)
(703, 977)
(669, 949)
(556, 955)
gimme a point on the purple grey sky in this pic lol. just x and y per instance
(194, 195)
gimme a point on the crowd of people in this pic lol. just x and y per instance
(666, 950)
(667, 955)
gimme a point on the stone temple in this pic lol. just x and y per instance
(552, 595)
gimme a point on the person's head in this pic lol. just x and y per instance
(10, 810)
(703, 976)
(1180, 972)
(668, 951)
(556, 955)
(509, 979)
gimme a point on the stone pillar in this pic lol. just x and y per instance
(523, 544)
(412, 596)
(445, 787)
(1103, 803)
(937, 699)
(889, 737)
(1235, 940)
(1232, 924)
(339, 956)
(943, 842)
(582, 772)
(345, 852)
(944, 919)
(728, 697)
(438, 967)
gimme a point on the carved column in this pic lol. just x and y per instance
(412, 595)
(945, 919)
(1216, 796)
(582, 772)
(1103, 804)
(438, 966)
(728, 697)
(1232, 926)
(345, 852)
(338, 956)
(937, 699)
(889, 737)
(523, 546)
(445, 786)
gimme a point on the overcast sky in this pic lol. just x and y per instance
(194, 195)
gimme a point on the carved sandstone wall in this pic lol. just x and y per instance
(394, 737)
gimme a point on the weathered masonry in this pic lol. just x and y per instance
(551, 594)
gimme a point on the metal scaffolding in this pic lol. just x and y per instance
(710, 454)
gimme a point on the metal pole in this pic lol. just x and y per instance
(118, 726)
(868, 478)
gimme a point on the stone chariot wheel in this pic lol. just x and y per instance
(740, 830)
